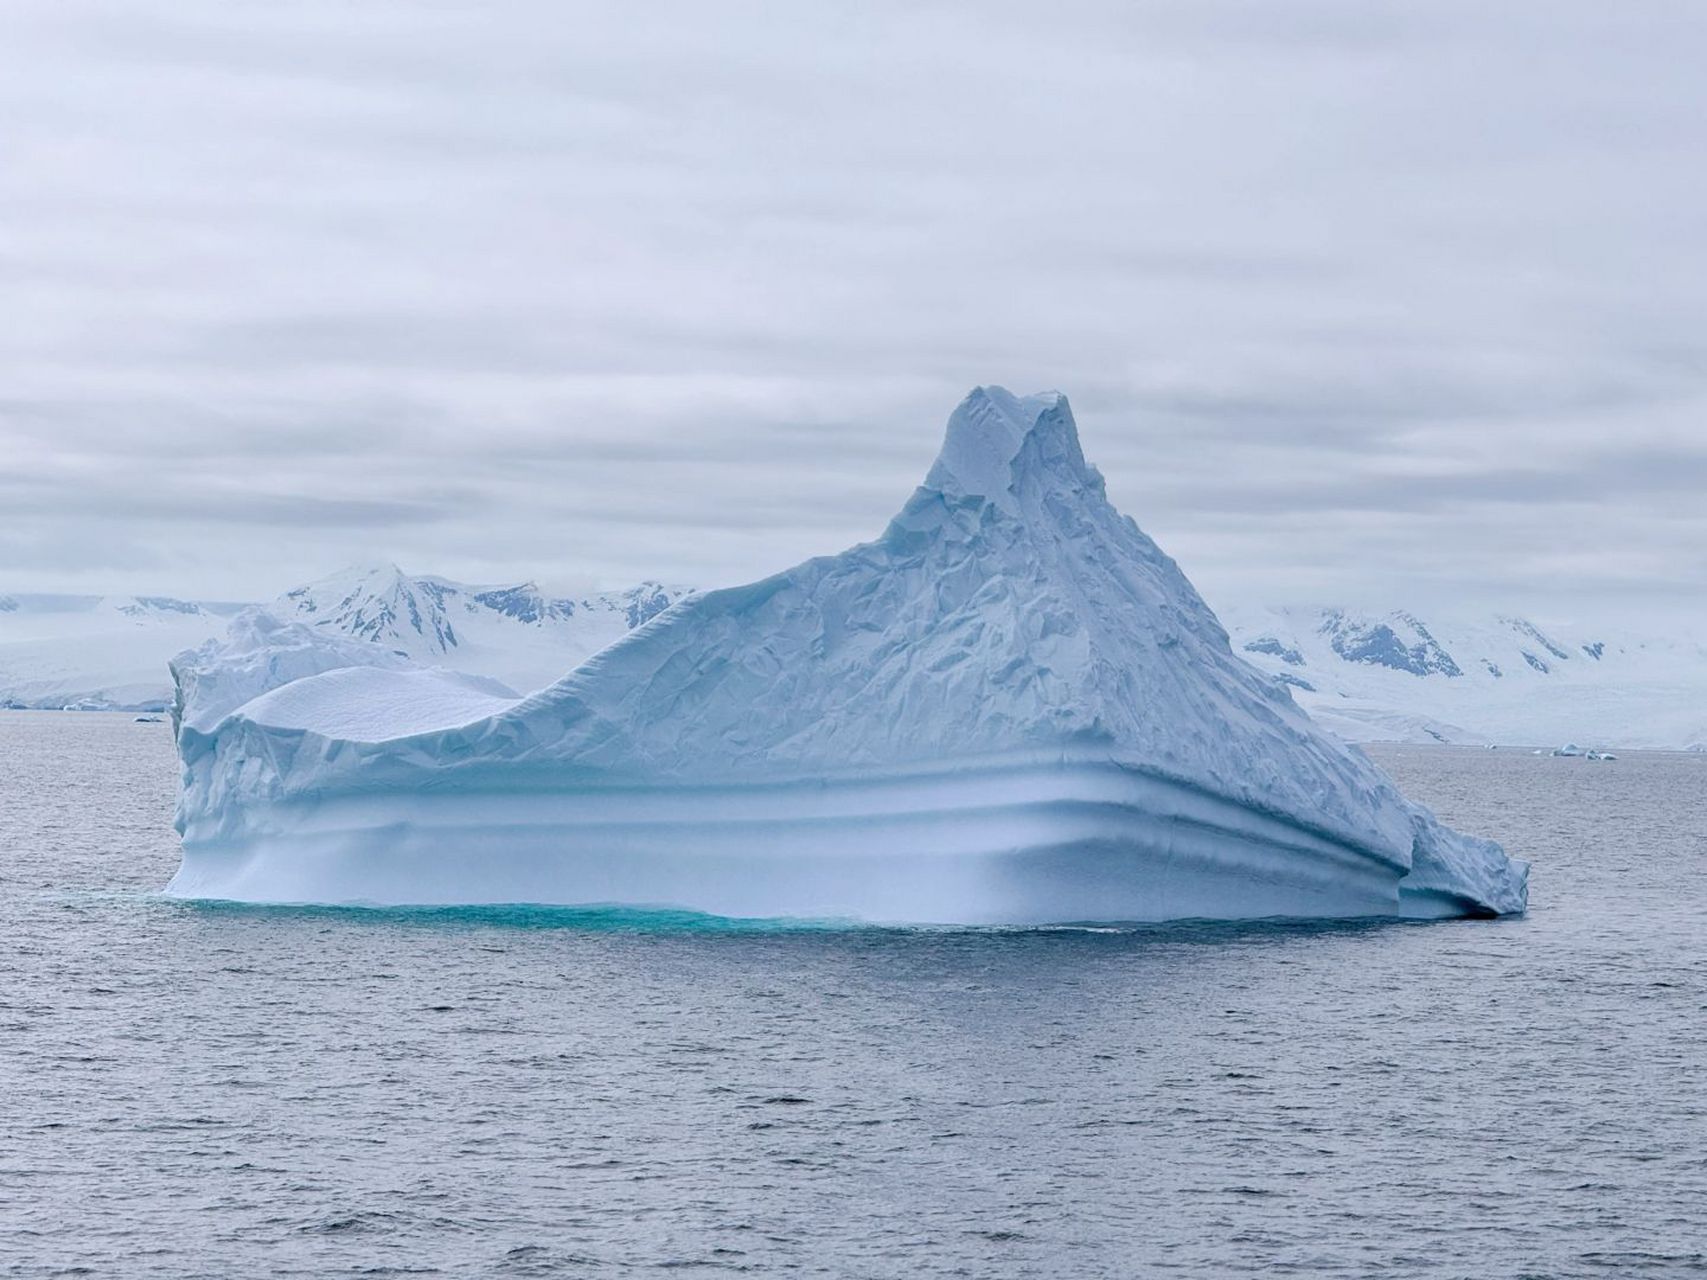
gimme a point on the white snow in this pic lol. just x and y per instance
(260, 652)
(1462, 677)
(1356, 723)
(515, 633)
(372, 704)
(1621, 687)
(97, 652)
(104, 653)
(1010, 708)
(287, 676)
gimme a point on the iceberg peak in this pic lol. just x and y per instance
(996, 440)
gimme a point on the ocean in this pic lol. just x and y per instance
(194, 1090)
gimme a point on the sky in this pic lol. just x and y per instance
(1355, 301)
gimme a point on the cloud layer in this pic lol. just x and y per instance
(1392, 301)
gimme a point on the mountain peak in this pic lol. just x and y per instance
(372, 577)
(381, 573)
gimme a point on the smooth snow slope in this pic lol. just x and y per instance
(1010, 708)
(104, 653)
(288, 676)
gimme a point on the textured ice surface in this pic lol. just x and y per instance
(1010, 707)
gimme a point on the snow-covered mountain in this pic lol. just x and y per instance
(98, 652)
(1503, 679)
(110, 653)
(513, 633)
(1369, 676)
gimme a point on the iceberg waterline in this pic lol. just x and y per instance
(1010, 708)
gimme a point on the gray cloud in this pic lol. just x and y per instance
(1350, 299)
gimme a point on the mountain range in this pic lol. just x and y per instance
(98, 652)
(1367, 675)
(110, 653)
(1481, 679)
(515, 633)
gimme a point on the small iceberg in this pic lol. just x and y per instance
(1009, 709)
(1572, 751)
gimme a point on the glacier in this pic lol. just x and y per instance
(1460, 676)
(112, 653)
(98, 653)
(1011, 708)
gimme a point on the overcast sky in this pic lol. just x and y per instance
(1379, 302)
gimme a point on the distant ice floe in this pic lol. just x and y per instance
(1010, 708)
(1572, 751)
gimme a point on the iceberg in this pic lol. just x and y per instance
(1011, 708)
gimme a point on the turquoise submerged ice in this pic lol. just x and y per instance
(1011, 708)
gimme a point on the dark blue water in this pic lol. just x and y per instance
(195, 1091)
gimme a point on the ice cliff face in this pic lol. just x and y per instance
(1008, 624)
